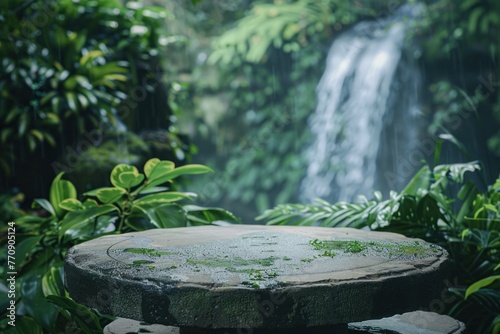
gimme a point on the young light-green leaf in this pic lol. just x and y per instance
(52, 283)
(130, 179)
(59, 191)
(166, 197)
(110, 195)
(183, 170)
(154, 168)
(71, 204)
(120, 169)
(481, 284)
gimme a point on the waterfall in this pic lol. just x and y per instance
(370, 83)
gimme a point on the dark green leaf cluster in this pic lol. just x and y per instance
(466, 29)
(67, 65)
(283, 25)
(466, 223)
(135, 202)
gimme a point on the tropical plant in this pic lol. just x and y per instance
(440, 205)
(135, 201)
(283, 25)
(75, 66)
(477, 254)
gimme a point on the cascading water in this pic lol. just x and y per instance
(369, 84)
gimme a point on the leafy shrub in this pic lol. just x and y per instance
(73, 66)
(463, 220)
(135, 202)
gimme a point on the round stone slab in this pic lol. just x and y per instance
(250, 276)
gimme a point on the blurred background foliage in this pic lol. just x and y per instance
(259, 73)
(78, 74)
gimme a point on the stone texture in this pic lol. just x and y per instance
(246, 276)
(127, 326)
(417, 322)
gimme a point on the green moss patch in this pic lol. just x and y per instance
(141, 262)
(233, 262)
(147, 251)
(255, 268)
(332, 247)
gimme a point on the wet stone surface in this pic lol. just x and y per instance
(255, 276)
(417, 322)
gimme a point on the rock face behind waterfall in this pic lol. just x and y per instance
(367, 116)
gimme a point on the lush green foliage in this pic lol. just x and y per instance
(135, 202)
(466, 30)
(431, 207)
(74, 66)
(283, 25)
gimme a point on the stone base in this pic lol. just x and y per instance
(127, 326)
(337, 329)
(418, 322)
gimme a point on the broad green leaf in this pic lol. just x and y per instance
(164, 215)
(131, 179)
(497, 267)
(455, 171)
(202, 215)
(428, 211)
(93, 192)
(90, 203)
(153, 190)
(34, 302)
(421, 180)
(71, 204)
(26, 325)
(481, 284)
(184, 170)
(163, 197)
(26, 248)
(76, 220)
(45, 205)
(110, 195)
(59, 191)
(85, 319)
(52, 282)
(154, 168)
(120, 169)
(137, 220)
